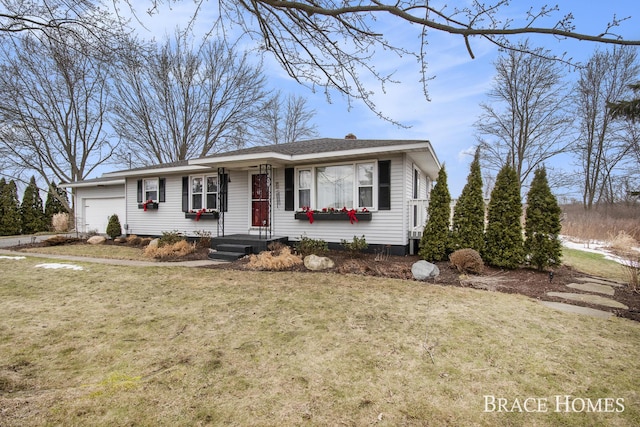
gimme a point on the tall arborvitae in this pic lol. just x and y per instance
(53, 205)
(435, 243)
(33, 219)
(503, 239)
(10, 218)
(468, 217)
(542, 245)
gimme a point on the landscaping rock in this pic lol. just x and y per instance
(154, 243)
(423, 270)
(96, 240)
(317, 263)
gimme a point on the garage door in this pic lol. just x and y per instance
(98, 211)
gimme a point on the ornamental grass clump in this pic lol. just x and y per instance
(276, 260)
(176, 250)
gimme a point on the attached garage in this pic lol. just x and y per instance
(96, 213)
(96, 200)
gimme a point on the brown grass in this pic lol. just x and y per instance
(277, 260)
(94, 251)
(601, 223)
(176, 250)
(120, 346)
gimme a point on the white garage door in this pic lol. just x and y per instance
(98, 211)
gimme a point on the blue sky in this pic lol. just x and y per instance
(459, 86)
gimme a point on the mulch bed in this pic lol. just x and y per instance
(524, 281)
(529, 282)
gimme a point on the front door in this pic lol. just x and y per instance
(259, 200)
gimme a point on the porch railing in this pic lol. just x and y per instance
(417, 217)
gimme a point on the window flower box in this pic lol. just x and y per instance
(148, 205)
(202, 214)
(333, 215)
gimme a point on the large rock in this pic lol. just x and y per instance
(154, 243)
(423, 270)
(96, 240)
(317, 263)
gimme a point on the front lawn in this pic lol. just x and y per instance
(118, 346)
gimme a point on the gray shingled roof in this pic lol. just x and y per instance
(314, 146)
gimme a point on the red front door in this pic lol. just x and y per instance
(259, 200)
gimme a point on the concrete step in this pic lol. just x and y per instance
(226, 256)
(238, 248)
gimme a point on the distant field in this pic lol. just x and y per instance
(603, 223)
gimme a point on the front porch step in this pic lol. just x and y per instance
(226, 256)
(236, 248)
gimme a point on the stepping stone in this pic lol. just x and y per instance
(600, 281)
(593, 287)
(568, 308)
(591, 299)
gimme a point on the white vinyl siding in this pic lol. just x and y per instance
(385, 227)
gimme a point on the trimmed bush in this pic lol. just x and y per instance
(113, 227)
(467, 261)
(307, 246)
(10, 222)
(542, 228)
(503, 239)
(467, 230)
(435, 241)
(170, 238)
(31, 211)
(356, 246)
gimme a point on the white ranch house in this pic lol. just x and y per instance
(259, 194)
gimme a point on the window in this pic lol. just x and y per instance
(334, 186)
(150, 189)
(365, 185)
(204, 192)
(338, 186)
(304, 188)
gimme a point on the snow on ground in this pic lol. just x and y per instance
(12, 257)
(58, 266)
(594, 246)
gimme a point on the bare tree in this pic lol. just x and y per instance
(331, 44)
(54, 106)
(87, 22)
(285, 119)
(179, 102)
(604, 142)
(525, 122)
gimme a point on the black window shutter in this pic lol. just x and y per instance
(289, 191)
(223, 191)
(161, 189)
(140, 191)
(384, 185)
(185, 194)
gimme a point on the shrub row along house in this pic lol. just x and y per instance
(330, 189)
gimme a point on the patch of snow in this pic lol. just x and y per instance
(593, 246)
(12, 257)
(57, 266)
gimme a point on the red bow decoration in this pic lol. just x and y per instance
(352, 216)
(199, 214)
(310, 216)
